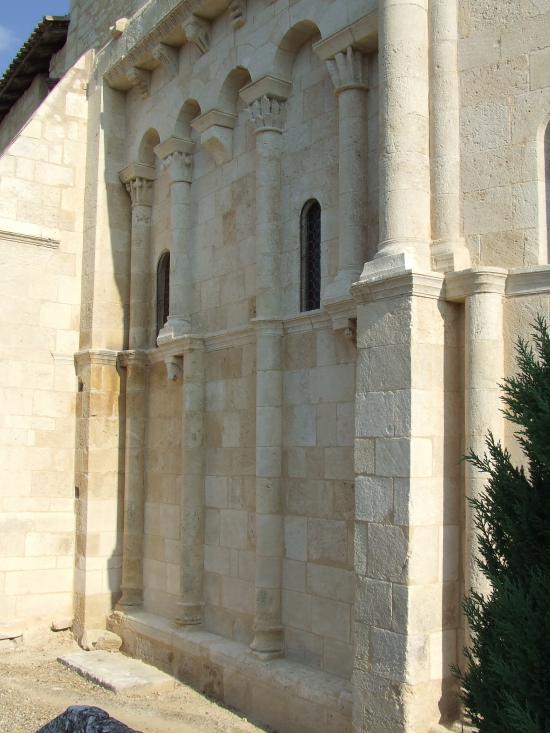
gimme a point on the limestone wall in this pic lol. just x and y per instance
(505, 97)
(41, 220)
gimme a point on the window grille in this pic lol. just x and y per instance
(163, 290)
(310, 266)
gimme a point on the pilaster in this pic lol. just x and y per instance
(98, 476)
(135, 364)
(191, 604)
(407, 513)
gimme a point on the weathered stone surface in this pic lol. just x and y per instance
(100, 640)
(116, 672)
(83, 719)
(62, 623)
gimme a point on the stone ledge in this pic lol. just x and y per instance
(284, 694)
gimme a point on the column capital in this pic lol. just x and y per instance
(346, 70)
(132, 358)
(460, 285)
(176, 156)
(268, 114)
(138, 179)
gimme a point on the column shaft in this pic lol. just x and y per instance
(140, 301)
(347, 73)
(268, 115)
(134, 479)
(449, 251)
(181, 284)
(404, 129)
(177, 159)
(484, 349)
(190, 608)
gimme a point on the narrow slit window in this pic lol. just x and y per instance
(163, 290)
(310, 265)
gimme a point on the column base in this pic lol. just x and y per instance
(397, 257)
(268, 643)
(131, 598)
(174, 328)
(189, 614)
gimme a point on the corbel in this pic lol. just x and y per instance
(237, 13)
(197, 31)
(141, 79)
(168, 56)
(174, 368)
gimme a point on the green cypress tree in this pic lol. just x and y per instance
(506, 686)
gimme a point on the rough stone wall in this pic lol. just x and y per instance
(41, 220)
(505, 97)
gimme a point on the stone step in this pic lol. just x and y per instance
(117, 673)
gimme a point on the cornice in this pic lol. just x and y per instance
(18, 238)
(149, 41)
(528, 281)
(107, 357)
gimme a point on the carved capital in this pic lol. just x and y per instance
(346, 70)
(141, 191)
(237, 13)
(138, 180)
(176, 156)
(168, 56)
(268, 113)
(197, 31)
(141, 79)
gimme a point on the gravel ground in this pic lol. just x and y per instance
(35, 688)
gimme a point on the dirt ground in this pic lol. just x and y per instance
(35, 688)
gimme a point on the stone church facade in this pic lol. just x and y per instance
(263, 266)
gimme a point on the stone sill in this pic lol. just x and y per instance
(282, 693)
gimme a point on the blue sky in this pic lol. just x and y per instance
(18, 18)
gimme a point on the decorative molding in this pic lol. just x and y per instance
(266, 86)
(341, 311)
(528, 281)
(89, 357)
(268, 114)
(309, 321)
(17, 238)
(197, 31)
(459, 285)
(168, 56)
(237, 13)
(346, 70)
(400, 284)
(141, 79)
(361, 35)
(132, 358)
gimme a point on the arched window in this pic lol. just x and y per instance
(163, 290)
(310, 261)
